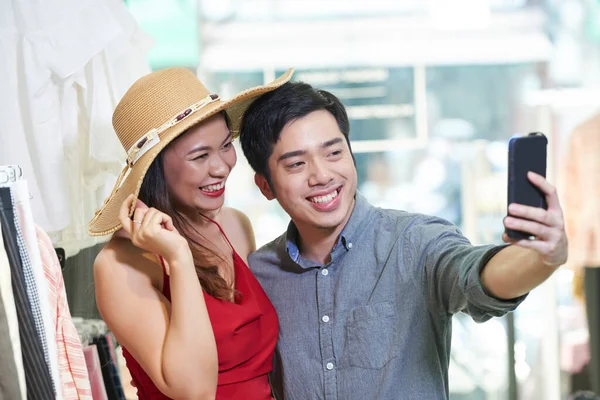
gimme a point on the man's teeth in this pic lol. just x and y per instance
(324, 199)
(213, 188)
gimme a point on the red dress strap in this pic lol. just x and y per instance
(166, 288)
(222, 232)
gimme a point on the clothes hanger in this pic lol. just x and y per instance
(10, 174)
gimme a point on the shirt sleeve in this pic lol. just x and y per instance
(449, 268)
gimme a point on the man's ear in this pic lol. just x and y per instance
(263, 184)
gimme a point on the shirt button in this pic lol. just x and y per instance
(325, 272)
(325, 318)
(329, 366)
(350, 245)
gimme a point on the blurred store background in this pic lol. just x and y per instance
(434, 90)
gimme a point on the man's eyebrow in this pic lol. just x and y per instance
(291, 154)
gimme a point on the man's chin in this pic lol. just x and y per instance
(328, 225)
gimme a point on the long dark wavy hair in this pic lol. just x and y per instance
(154, 193)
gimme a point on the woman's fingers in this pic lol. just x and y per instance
(124, 215)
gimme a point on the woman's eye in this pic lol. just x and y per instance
(201, 156)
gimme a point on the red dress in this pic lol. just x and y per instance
(245, 331)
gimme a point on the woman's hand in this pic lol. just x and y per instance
(152, 230)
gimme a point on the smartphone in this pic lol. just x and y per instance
(526, 153)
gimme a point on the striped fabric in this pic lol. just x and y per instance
(9, 376)
(31, 288)
(21, 196)
(75, 383)
(6, 293)
(37, 375)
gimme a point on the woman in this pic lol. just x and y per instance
(172, 283)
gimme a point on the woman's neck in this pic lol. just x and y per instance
(202, 218)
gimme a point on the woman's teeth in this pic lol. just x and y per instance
(324, 199)
(213, 188)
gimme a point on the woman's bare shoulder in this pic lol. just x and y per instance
(238, 227)
(119, 258)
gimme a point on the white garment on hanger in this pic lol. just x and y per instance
(20, 192)
(14, 112)
(67, 63)
(11, 315)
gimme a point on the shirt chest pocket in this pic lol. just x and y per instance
(371, 334)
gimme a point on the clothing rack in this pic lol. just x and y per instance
(100, 350)
(89, 329)
(45, 359)
(10, 173)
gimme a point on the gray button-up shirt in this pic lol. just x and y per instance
(374, 323)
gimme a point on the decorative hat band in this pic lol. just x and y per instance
(151, 138)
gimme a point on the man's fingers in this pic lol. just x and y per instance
(534, 228)
(531, 213)
(540, 246)
(549, 191)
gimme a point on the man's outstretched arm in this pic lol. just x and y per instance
(517, 269)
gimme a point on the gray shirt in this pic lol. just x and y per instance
(374, 323)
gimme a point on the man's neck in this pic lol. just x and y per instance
(316, 244)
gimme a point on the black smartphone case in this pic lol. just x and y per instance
(526, 153)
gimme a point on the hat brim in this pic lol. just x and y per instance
(106, 221)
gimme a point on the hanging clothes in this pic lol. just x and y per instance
(9, 374)
(92, 360)
(67, 64)
(37, 374)
(95, 156)
(41, 316)
(110, 372)
(101, 359)
(74, 379)
(30, 251)
(17, 113)
(10, 310)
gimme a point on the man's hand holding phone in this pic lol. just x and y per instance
(545, 225)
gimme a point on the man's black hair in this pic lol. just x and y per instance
(270, 113)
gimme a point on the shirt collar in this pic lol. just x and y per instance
(345, 242)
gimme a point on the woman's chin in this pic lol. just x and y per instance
(210, 206)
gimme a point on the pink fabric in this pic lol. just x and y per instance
(574, 352)
(74, 378)
(111, 347)
(95, 372)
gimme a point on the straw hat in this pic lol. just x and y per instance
(155, 110)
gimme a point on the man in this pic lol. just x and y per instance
(365, 296)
